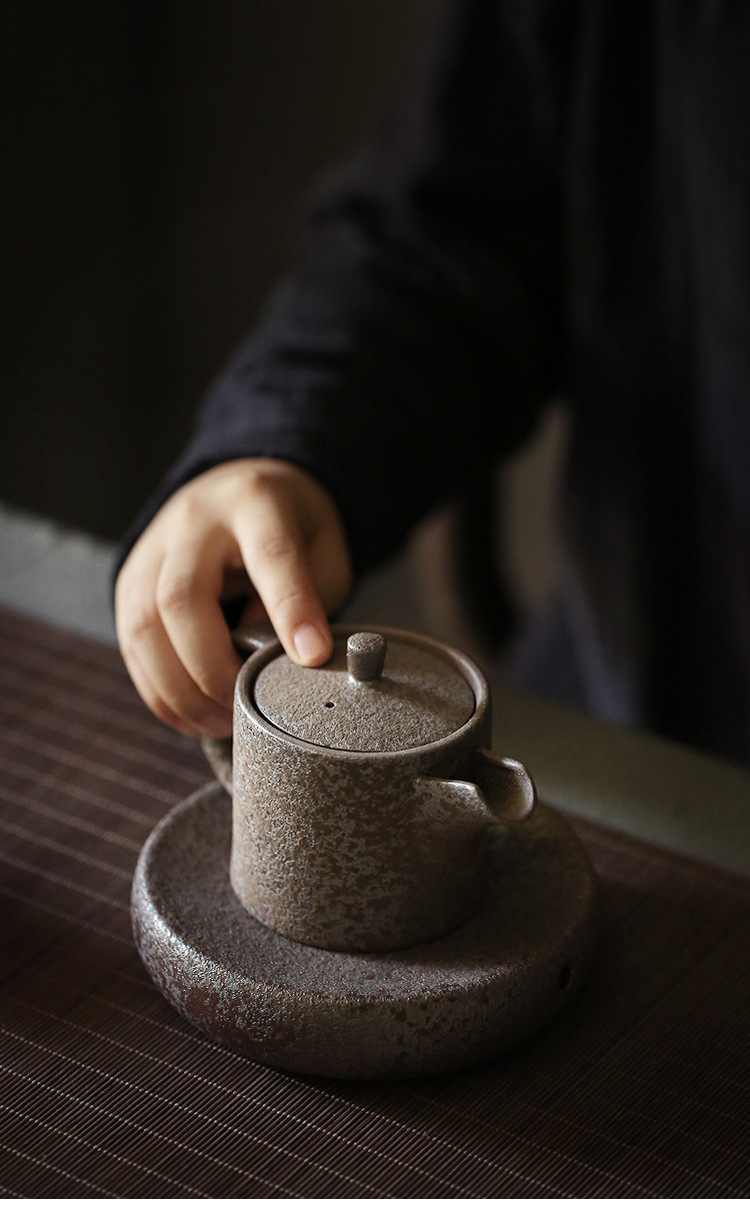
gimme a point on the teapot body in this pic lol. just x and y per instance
(347, 850)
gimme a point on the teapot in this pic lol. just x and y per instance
(363, 790)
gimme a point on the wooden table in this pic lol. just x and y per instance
(641, 1089)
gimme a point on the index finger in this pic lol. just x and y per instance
(277, 561)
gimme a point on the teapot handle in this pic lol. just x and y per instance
(218, 750)
(499, 787)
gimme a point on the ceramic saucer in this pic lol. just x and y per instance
(461, 999)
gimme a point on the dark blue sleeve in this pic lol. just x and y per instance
(423, 330)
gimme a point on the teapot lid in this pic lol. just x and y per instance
(371, 696)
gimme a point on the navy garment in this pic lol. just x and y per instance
(557, 203)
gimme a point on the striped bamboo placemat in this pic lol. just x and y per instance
(641, 1089)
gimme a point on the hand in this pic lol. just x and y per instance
(261, 525)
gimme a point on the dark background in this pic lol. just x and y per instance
(155, 160)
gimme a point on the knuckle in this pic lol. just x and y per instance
(263, 480)
(291, 603)
(190, 510)
(276, 548)
(135, 624)
(176, 593)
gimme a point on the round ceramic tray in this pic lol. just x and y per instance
(461, 999)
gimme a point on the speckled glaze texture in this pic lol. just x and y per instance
(487, 985)
(364, 851)
(419, 697)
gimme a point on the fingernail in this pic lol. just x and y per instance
(310, 644)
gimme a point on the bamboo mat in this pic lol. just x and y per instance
(641, 1089)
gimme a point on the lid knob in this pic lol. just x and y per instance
(365, 655)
